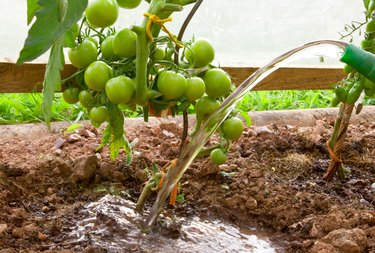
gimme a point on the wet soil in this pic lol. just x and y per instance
(272, 182)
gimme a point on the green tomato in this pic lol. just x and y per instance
(232, 128)
(92, 40)
(70, 95)
(124, 43)
(119, 89)
(354, 93)
(205, 107)
(83, 55)
(200, 53)
(99, 114)
(370, 27)
(218, 156)
(107, 49)
(128, 4)
(97, 74)
(171, 85)
(217, 83)
(85, 99)
(158, 54)
(102, 13)
(341, 94)
(195, 88)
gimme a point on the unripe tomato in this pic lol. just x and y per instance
(97, 74)
(128, 4)
(370, 27)
(354, 93)
(70, 95)
(99, 114)
(218, 156)
(92, 40)
(205, 107)
(195, 88)
(119, 89)
(124, 43)
(158, 54)
(102, 13)
(200, 53)
(107, 49)
(82, 55)
(341, 94)
(171, 85)
(85, 99)
(217, 83)
(232, 128)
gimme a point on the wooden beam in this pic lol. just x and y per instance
(29, 77)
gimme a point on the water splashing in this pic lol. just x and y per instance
(321, 48)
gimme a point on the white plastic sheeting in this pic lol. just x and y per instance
(250, 32)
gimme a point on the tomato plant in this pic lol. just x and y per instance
(136, 68)
(102, 13)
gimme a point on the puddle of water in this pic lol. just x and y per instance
(112, 224)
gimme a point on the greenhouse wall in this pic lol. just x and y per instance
(243, 31)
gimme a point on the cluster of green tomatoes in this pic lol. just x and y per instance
(352, 87)
(106, 76)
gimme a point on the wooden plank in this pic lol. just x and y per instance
(29, 77)
(291, 78)
(25, 78)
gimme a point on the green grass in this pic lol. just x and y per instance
(27, 108)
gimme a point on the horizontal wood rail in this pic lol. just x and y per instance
(29, 77)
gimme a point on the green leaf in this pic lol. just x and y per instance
(117, 140)
(106, 137)
(115, 145)
(73, 127)
(128, 150)
(246, 117)
(52, 78)
(32, 7)
(47, 28)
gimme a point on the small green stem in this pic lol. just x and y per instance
(72, 76)
(146, 192)
(337, 126)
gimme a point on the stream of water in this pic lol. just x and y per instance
(317, 48)
(112, 224)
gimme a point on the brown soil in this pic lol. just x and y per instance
(272, 180)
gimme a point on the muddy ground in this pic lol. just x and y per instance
(272, 181)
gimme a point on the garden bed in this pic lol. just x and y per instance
(272, 182)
